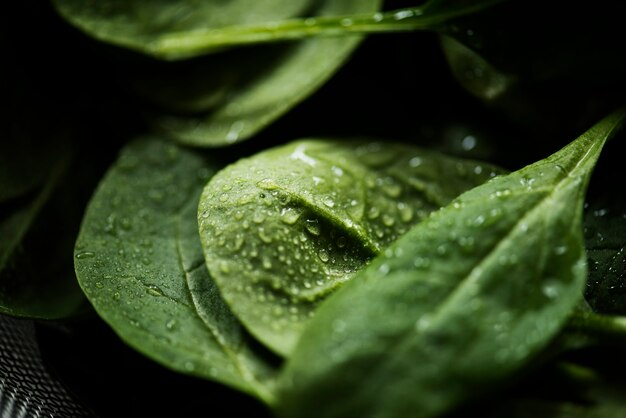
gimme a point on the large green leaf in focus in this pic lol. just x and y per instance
(457, 305)
(286, 227)
(139, 261)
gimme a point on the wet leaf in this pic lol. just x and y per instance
(605, 237)
(139, 261)
(429, 323)
(283, 229)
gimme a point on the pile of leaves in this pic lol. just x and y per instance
(319, 208)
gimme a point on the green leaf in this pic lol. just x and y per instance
(36, 279)
(284, 228)
(139, 261)
(458, 304)
(605, 237)
(249, 89)
(136, 24)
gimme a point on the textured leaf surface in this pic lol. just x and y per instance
(140, 263)
(284, 228)
(458, 304)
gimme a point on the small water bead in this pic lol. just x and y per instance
(267, 184)
(346, 22)
(378, 17)
(421, 263)
(600, 212)
(310, 21)
(328, 201)
(405, 211)
(560, 250)
(312, 226)
(551, 289)
(403, 14)
(373, 212)
(478, 169)
(264, 236)
(171, 324)
(415, 162)
(224, 268)
(384, 269)
(388, 220)
(323, 255)
(468, 143)
(337, 171)
(154, 290)
(290, 215)
(85, 254)
(259, 216)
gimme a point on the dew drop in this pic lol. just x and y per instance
(406, 213)
(264, 236)
(171, 324)
(289, 215)
(312, 225)
(468, 143)
(328, 201)
(415, 162)
(384, 269)
(373, 212)
(551, 289)
(323, 255)
(267, 184)
(84, 254)
(388, 220)
(154, 290)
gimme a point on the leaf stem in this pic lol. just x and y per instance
(198, 42)
(605, 328)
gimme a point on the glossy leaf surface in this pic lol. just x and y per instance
(140, 262)
(286, 227)
(136, 23)
(458, 304)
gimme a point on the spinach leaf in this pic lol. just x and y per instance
(284, 228)
(36, 279)
(139, 261)
(605, 237)
(250, 89)
(136, 24)
(458, 304)
(228, 97)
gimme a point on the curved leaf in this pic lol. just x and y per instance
(283, 229)
(36, 280)
(250, 89)
(136, 24)
(458, 304)
(226, 98)
(139, 260)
